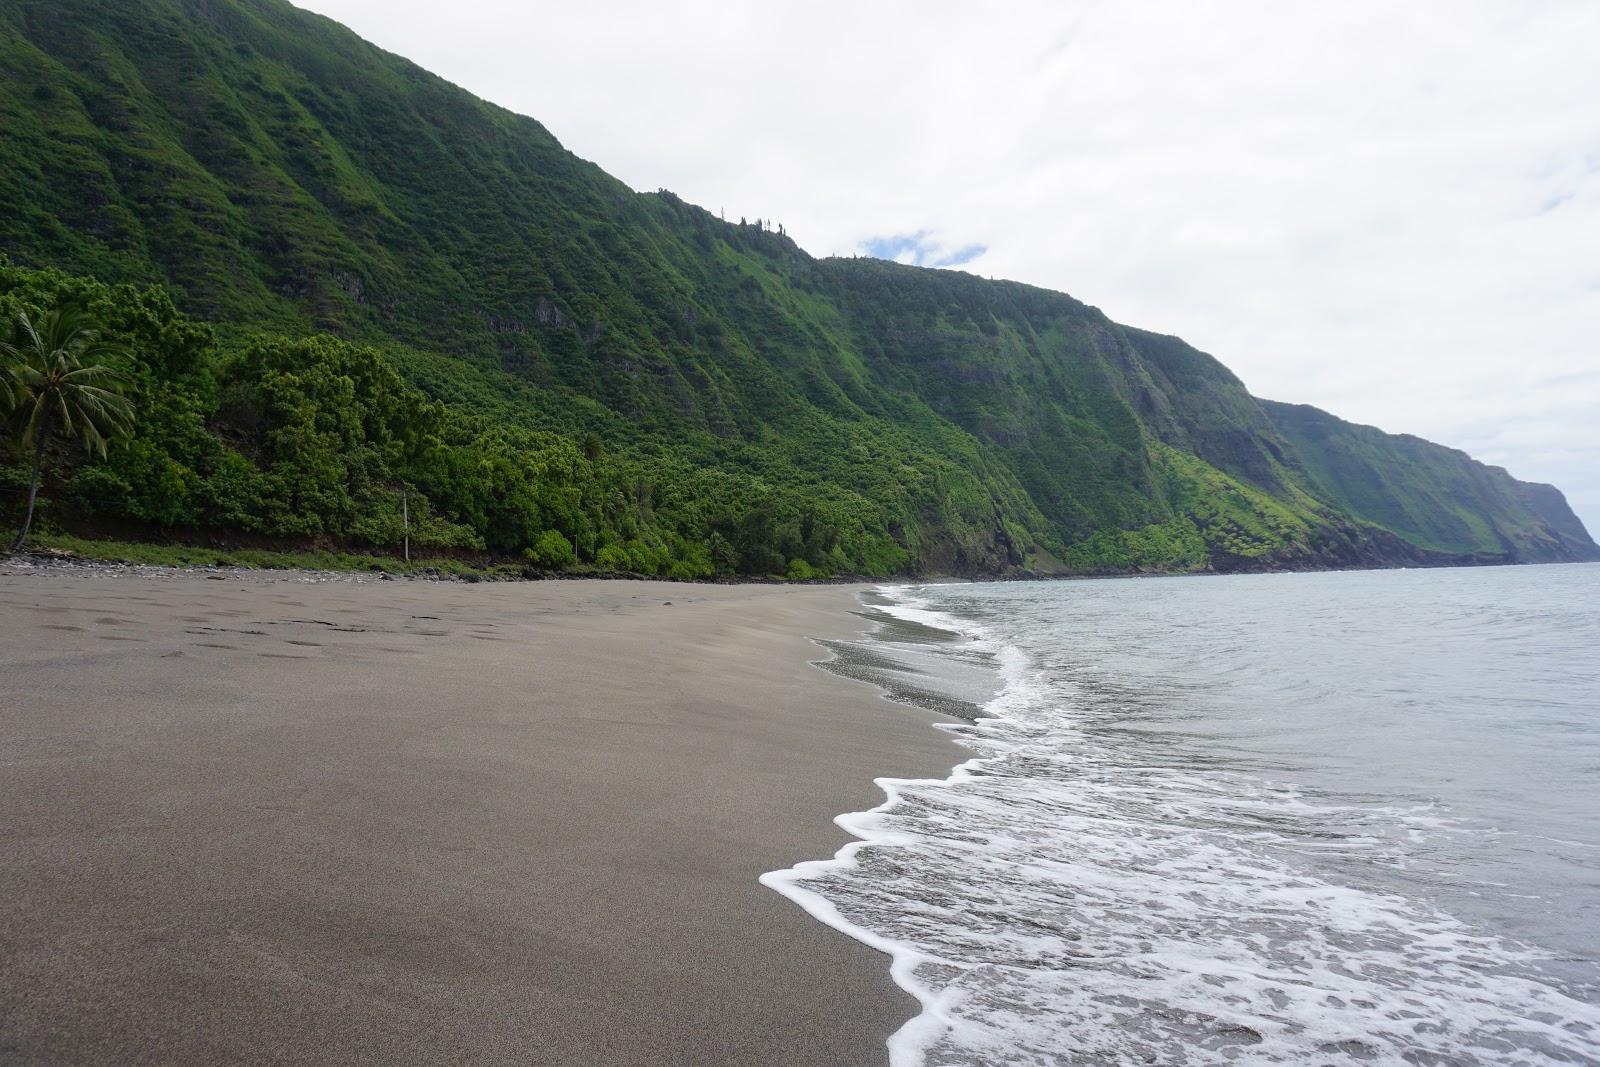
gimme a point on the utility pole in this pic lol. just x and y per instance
(405, 518)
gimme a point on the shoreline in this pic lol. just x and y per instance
(487, 822)
(163, 557)
(1080, 882)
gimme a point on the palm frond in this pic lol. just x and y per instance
(54, 375)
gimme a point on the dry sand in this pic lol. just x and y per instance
(268, 820)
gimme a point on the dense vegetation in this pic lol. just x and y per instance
(393, 291)
(314, 439)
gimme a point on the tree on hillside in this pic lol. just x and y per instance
(54, 379)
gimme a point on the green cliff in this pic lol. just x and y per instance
(1438, 499)
(391, 288)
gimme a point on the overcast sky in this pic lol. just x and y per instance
(1391, 211)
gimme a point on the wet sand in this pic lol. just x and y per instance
(267, 820)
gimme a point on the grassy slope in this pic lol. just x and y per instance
(279, 172)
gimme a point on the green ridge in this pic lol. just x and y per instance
(391, 287)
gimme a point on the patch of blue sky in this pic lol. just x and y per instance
(920, 250)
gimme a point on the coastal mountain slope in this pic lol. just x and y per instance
(650, 387)
(1437, 498)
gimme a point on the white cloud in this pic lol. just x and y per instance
(1391, 211)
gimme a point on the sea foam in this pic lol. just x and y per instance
(1077, 895)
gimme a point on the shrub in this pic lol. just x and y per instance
(551, 550)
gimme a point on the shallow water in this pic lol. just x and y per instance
(1258, 819)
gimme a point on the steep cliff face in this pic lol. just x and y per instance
(278, 172)
(1438, 499)
(1197, 404)
(1564, 535)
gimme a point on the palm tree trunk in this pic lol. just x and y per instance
(33, 489)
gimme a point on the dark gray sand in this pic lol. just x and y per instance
(267, 820)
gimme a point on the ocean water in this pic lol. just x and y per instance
(1298, 818)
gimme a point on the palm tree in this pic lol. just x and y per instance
(53, 378)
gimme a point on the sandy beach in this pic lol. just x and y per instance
(269, 820)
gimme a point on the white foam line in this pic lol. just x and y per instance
(1541, 1011)
(908, 1045)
